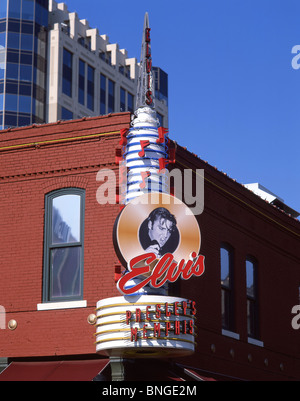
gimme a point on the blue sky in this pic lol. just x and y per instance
(234, 97)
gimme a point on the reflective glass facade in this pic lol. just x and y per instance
(67, 72)
(122, 99)
(102, 94)
(161, 84)
(81, 82)
(111, 96)
(130, 99)
(23, 46)
(90, 87)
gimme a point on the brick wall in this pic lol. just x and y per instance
(37, 160)
(251, 226)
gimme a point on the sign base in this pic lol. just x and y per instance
(145, 326)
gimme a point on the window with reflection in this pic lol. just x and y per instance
(14, 10)
(23, 120)
(26, 57)
(90, 87)
(26, 42)
(130, 102)
(25, 104)
(27, 27)
(10, 119)
(66, 114)
(25, 72)
(12, 56)
(81, 82)
(227, 308)
(13, 26)
(63, 248)
(122, 99)
(11, 102)
(28, 10)
(41, 12)
(12, 71)
(102, 94)
(3, 9)
(2, 70)
(13, 40)
(67, 72)
(111, 96)
(2, 26)
(252, 302)
(2, 40)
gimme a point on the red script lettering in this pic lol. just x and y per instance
(166, 269)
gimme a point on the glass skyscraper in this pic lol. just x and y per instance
(23, 51)
(54, 66)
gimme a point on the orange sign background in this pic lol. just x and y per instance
(126, 229)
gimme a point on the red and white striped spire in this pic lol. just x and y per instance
(146, 145)
(145, 90)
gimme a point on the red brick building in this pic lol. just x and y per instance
(240, 335)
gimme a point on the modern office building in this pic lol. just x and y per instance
(23, 54)
(54, 66)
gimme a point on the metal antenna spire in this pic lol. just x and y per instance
(145, 88)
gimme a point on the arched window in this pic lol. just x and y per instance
(227, 297)
(252, 298)
(63, 245)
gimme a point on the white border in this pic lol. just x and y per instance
(231, 334)
(62, 305)
(255, 342)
